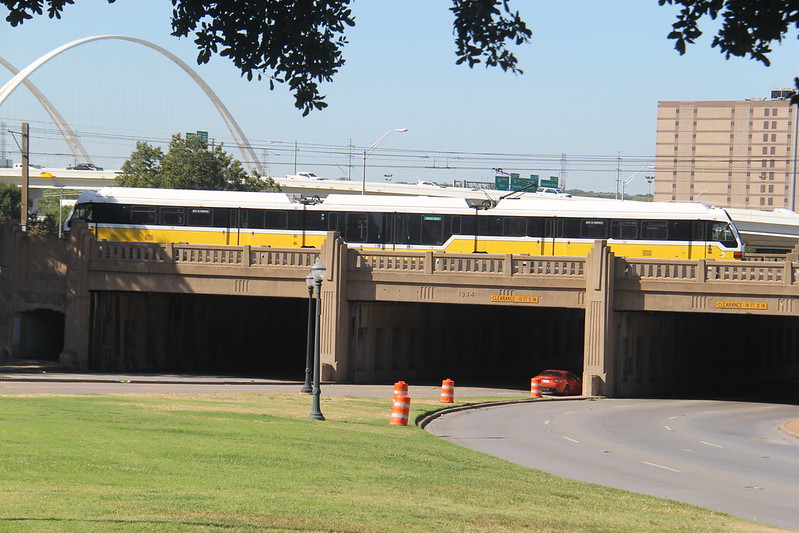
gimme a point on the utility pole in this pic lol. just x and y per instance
(25, 176)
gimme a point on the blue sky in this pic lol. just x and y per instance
(593, 75)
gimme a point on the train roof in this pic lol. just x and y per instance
(120, 195)
(602, 207)
(524, 206)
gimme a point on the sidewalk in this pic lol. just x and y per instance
(38, 371)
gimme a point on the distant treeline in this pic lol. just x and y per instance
(611, 195)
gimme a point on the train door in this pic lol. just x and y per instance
(697, 247)
(356, 231)
(228, 221)
(553, 228)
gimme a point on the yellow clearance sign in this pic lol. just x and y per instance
(742, 305)
(514, 299)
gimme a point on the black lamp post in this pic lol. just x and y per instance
(317, 273)
(306, 388)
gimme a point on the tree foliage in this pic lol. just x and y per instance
(10, 201)
(189, 164)
(300, 42)
(748, 28)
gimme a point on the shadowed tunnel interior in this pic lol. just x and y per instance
(655, 353)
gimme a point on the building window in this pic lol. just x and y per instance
(765, 137)
(772, 150)
(774, 124)
(771, 201)
(765, 150)
(774, 112)
(766, 112)
(765, 124)
(762, 201)
(773, 137)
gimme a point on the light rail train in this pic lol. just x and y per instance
(527, 225)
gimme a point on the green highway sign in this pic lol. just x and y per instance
(501, 183)
(551, 182)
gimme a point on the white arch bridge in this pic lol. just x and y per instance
(248, 155)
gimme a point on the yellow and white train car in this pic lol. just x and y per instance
(528, 225)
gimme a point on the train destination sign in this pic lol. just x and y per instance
(742, 305)
(514, 299)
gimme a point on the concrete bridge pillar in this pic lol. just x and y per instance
(77, 309)
(598, 353)
(333, 343)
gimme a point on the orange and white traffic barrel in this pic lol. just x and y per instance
(400, 410)
(535, 388)
(447, 391)
(400, 389)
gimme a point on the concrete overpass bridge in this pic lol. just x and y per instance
(631, 326)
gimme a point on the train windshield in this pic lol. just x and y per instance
(723, 233)
(81, 213)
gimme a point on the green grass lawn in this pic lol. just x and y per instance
(253, 462)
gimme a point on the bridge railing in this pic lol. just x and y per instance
(432, 262)
(187, 254)
(708, 271)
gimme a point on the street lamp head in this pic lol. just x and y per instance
(318, 271)
(309, 281)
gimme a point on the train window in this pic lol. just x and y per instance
(332, 222)
(111, 213)
(721, 232)
(199, 216)
(316, 221)
(514, 226)
(456, 224)
(489, 225)
(275, 219)
(295, 220)
(594, 229)
(535, 227)
(654, 230)
(432, 229)
(171, 216)
(571, 228)
(254, 219)
(680, 230)
(83, 213)
(624, 229)
(221, 217)
(357, 227)
(142, 214)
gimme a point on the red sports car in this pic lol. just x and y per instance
(560, 382)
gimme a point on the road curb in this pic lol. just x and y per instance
(424, 420)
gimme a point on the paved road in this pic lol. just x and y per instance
(732, 457)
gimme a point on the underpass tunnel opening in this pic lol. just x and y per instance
(704, 355)
(471, 344)
(37, 335)
(198, 334)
